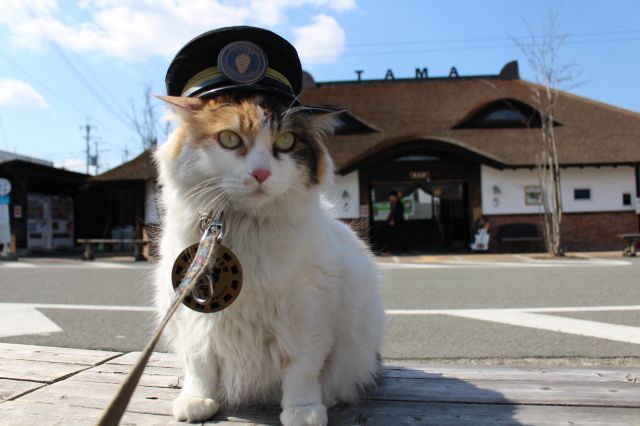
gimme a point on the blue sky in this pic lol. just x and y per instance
(62, 60)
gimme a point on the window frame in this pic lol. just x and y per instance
(576, 198)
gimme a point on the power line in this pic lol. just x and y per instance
(97, 81)
(474, 48)
(26, 73)
(60, 52)
(474, 39)
(80, 77)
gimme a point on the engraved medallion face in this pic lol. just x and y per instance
(242, 62)
(225, 280)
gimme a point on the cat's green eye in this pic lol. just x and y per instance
(285, 142)
(229, 139)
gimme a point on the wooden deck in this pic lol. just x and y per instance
(46, 386)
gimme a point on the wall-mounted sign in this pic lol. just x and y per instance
(17, 211)
(5, 186)
(422, 175)
(533, 195)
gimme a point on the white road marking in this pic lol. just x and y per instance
(76, 265)
(533, 263)
(80, 307)
(24, 318)
(558, 309)
(538, 319)
(20, 319)
(396, 263)
(579, 327)
(17, 265)
(112, 265)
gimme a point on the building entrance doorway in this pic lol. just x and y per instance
(437, 216)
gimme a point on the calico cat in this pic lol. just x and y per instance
(308, 324)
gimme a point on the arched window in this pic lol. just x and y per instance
(503, 114)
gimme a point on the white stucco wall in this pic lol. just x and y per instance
(607, 184)
(345, 196)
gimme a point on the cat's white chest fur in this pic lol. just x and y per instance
(307, 326)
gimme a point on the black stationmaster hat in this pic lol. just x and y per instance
(235, 58)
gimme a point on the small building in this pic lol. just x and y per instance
(459, 148)
(123, 201)
(44, 203)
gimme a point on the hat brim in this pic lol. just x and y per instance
(247, 88)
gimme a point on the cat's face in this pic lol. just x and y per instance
(246, 152)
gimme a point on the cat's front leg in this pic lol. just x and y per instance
(196, 400)
(302, 391)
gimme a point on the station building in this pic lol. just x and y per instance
(462, 147)
(458, 148)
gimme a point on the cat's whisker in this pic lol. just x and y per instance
(204, 184)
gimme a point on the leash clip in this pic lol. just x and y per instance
(210, 225)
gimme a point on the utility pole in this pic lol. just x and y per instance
(87, 135)
(97, 156)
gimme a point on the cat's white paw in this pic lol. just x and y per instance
(194, 409)
(306, 415)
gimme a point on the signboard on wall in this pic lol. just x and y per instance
(5, 227)
(345, 196)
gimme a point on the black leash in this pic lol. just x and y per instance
(207, 252)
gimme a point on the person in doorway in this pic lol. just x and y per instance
(396, 222)
(481, 241)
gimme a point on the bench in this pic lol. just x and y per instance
(514, 232)
(631, 241)
(43, 385)
(89, 244)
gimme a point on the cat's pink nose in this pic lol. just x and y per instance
(260, 175)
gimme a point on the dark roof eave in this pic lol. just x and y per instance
(580, 165)
(385, 148)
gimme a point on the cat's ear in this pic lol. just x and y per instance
(327, 120)
(184, 107)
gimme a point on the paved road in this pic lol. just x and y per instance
(447, 310)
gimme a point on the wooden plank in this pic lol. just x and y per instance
(370, 413)
(158, 359)
(13, 388)
(510, 392)
(76, 393)
(381, 413)
(53, 354)
(548, 374)
(38, 371)
(114, 373)
(596, 374)
(35, 413)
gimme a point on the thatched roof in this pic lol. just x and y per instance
(140, 168)
(384, 115)
(428, 110)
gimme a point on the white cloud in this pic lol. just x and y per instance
(16, 92)
(138, 29)
(320, 42)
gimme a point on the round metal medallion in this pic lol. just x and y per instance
(225, 280)
(242, 62)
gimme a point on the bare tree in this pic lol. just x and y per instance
(146, 120)
(541, 53)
